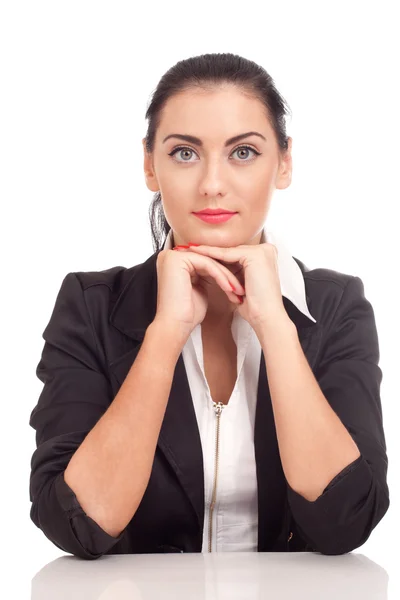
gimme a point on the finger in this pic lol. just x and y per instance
(234, 283)
(228, 255)
(234, 267)
(238, 288)
(203, 265)
(221, 275)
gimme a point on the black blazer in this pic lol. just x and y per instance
(95, 333)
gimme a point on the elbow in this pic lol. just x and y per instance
(358, 532)
(67, 526)
(63, 537)
(343, 518)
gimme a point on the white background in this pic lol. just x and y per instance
(76, 78)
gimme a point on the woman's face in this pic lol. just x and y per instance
(212, 174)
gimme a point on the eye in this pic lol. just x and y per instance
(180, 148)
(256, 153)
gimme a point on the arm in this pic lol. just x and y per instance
(110, 470)
(89, 437)
(314, 445)
(329, 427)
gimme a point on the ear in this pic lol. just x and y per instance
(149, 172)
(284, 177)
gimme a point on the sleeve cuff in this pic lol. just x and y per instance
(343, 473)
(88, 533)
(337, 520)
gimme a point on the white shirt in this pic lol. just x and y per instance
(235, 515)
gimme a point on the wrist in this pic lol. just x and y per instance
(169, 335)
(281, 324)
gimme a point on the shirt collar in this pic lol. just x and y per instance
(290, 275)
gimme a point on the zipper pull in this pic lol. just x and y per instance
(218, 406)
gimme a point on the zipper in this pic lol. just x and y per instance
(218, 406)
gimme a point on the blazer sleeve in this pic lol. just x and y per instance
(352, 504)
(75, 395)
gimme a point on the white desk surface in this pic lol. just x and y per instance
(228, 576)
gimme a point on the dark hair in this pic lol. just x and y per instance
(205, 72)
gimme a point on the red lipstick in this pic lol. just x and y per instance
(215, 218)
(214, 211)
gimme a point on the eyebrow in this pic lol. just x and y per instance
(195, 140)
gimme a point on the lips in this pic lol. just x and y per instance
(221, 212)
(214, 218)
(215, 211)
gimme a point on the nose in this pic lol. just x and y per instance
(212, 181)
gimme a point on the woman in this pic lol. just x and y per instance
(193, 403)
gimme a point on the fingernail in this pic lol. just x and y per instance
(176, 247)
(233, 287)
(240, 299)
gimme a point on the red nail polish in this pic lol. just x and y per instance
(233, 288)
(175, 247)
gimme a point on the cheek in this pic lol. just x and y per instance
(255, 189)
(177, 192)
(173, 211)
(176, 209)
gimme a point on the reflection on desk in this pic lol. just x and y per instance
(200, 576)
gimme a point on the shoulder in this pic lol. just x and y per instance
(114, 278)
(107, 282)
(322, 283)
(324, 277)
(101, 289)
(330, 292)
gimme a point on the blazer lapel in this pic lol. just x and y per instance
(179, 437)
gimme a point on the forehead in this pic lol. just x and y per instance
(225, 111)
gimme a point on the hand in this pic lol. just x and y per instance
(182, 279)
(257, 269)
